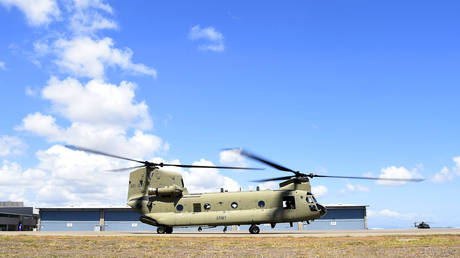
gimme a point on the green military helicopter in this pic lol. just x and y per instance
(162, 199)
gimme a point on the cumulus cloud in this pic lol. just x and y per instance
(319, 190)
(38, 12)
(87, 57)
(397, 172)
(231, 157)
(75, 178)
(211, 39)
(97, 103)
(2, 66)
(447, 174)
(11, 145)
(207, 179)
(15, 182)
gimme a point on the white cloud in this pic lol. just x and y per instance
(447, 174)
(11, 145)
(457, 165)
(357, 188)
(86, 18)
(97, 103)
(86, 57)
(75, 178)
(38, 12)
(231, 157)
(270, 185)
(138, 145)
(207, 179)
(443, 176)
(97, 4)
(15, 182)
(213, 40)
(319, 190)
(396, 172)
(2, 66)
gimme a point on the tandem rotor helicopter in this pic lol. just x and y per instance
(162, 199)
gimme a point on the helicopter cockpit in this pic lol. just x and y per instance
(314, 205)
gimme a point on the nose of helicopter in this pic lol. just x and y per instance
(322, 209)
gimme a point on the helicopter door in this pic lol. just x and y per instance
(288, 202)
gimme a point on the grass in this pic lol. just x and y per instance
(135, 246)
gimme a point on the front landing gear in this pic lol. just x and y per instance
(254, 229)
(164, 229)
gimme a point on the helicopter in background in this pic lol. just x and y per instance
(162, 200)
(422, 225)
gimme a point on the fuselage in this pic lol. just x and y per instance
(162, 199)
(232, 208)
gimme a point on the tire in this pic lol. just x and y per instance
(161, 230)
(254, 229)
(169, 230)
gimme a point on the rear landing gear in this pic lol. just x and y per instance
(254, 229)
(164, 229)
(161, 229)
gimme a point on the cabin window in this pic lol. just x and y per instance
(288, 202)
(207, 206)
(197, 207)
(234, 205)
(179, 207)
(261, 204)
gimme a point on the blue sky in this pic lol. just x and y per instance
(344, 88)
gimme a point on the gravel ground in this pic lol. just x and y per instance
(136, 246)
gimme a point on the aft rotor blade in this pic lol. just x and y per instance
(73, 147)
(372, 178)
(200, 166)
(124, 169)
(254, 157)
(274, 179)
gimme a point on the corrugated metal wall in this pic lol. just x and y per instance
(340, 218)
(125, 219)
(64, 220)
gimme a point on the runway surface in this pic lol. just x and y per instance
(266, 233)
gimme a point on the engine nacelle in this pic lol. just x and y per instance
(172, 190)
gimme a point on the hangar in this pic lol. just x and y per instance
(338, 217)
(15, 217)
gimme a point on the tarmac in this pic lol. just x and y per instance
(266, 233)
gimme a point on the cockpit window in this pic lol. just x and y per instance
(309, 199)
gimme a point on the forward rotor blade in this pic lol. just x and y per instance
(124, 169)
(372, 178)
(73, 147)
(274, 179)
(254, 157)
(200, 166)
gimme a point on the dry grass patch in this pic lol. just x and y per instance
(135, 246)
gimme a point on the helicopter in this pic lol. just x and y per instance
(163, 201)
(422, 225)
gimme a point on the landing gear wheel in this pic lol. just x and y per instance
(169, 230)
(254, 229)
(161, 229)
